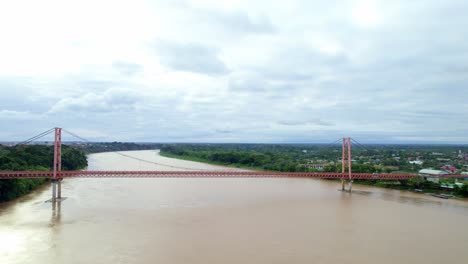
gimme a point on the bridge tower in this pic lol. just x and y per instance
(346, 164)
(57, 166)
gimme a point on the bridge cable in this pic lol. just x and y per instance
(75, 135)
(170, 166)
(333, 143)
(45, 133)
(336, 141)
(359, 144)
(153, 162)
(130, 156)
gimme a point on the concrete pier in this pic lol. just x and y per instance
(343, 185)
(59, 189)
(54, 190)
(350, 185)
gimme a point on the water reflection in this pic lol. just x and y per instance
(56, 215)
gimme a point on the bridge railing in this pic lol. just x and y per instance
(208, 174)
(200, 174)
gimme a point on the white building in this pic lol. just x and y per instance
(432, 175)
(315, 166)
(465, 173)
(417, 162)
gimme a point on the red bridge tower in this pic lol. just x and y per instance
(346, 163)
(57, 166)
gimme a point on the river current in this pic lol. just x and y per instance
(232, 220)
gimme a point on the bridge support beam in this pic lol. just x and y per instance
(57, 166)
(346, 164)
(54, 191)
(59, 189)
(346, 182)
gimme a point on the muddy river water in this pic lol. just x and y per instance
(227, 221)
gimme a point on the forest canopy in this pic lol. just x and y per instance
(33, 157)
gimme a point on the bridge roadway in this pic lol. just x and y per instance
(206, 174)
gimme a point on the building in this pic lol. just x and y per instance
(466, 156)
(443, 159)
(449, 168)
(315, 166)
(417, 162)
(432, 175)
(465, 173)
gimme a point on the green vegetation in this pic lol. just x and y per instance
(462, 191)
(297, 157)
(255, 156)
(33, 157)
(293, 157)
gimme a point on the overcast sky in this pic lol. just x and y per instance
(236, 71)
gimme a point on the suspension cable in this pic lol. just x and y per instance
(333, 143)
(75, 135)
(130, 156)
(153, 162)
(43, 134)
(359, 144)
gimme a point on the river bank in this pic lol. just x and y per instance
(406, 185)
(196, 159)
(33, 157)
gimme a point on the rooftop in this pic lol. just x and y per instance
(432, 172)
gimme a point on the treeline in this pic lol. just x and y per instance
(292, 157)
(267, 157)
(115, 146)
(33, 157)
(277, 157)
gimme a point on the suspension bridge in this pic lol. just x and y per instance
(56, 175)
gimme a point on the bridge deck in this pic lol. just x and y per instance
(205, 174)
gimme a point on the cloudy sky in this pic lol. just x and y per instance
(236, 71)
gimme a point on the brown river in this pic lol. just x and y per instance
(227, 221)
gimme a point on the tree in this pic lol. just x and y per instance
(416, 182)
(33, 157)
(463, 190)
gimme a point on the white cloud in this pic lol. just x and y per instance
(9, 116)
(365, 13)
(236, 70)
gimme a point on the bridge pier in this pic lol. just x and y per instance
(59, 189)
(54, 190)
(57, 167)
(343, 185)
(346, 163)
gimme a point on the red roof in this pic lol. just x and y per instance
(449, 168)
